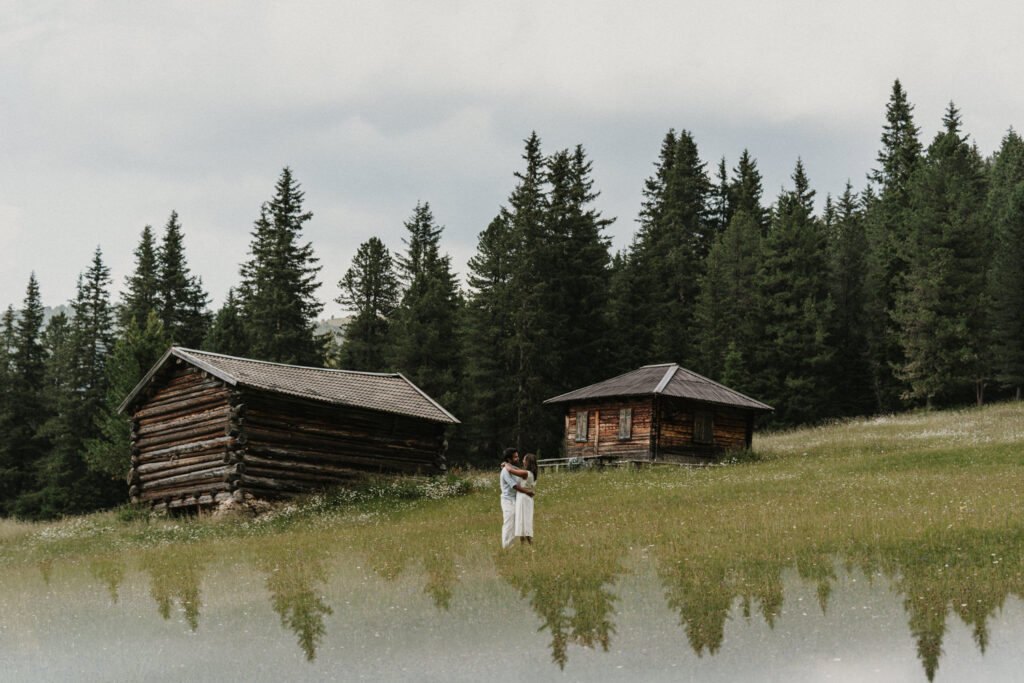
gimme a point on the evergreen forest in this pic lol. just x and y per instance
(906, 293)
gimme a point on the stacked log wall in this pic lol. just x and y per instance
(603, 429)
(731, 428)
(179, 441)
(293, 445)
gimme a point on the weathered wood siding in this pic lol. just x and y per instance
(603, 429)
(179, 439)
(196, 441)
(293, 445)
(731, 429)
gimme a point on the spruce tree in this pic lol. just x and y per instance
(182, 299)
(143, 286)
(887, 220)
(851, 370)
(279, 282)
(7, 460)
(1005, 211)
(23, 445)
(940, 309)
(424, 342)
(76, 374)
(673, 240)
(369, 290)
(531, 316)
(745, 190)
(135, 352)
(729, 308)
(489, 352)
(794, 281)
(228, 333)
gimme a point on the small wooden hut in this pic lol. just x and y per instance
(206, 427)
(657, 412)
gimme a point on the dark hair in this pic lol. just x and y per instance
(509, 452)
(530, 464)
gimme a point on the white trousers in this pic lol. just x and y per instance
(508, 522)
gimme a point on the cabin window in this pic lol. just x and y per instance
(625, 424)
(702, 427)
(581, 427)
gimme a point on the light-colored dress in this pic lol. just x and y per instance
(524, 508)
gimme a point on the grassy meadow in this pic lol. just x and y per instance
(929, 501)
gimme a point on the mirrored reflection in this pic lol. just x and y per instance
(109, 572)
(570, 591)
(391, 557)
(967, 574)
(294, 576)
(175, 576)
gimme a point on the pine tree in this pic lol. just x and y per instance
(531, 317)
(729, 308)
(939, 311)
(279, 282)
(76, 373)
(1005, 211)
(673, 240)
(851, 373)
(369, 290)
(7, 459)
(720, 207)
(424, 343)
(22, 445)
(138, 349)
(489, 353)
(794, 281)
(181, 297)
(228, 333)
(887, 220)
(143, 287)
(745, 190)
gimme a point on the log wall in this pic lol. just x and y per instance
(195, 441)
(179, 440)
(294, 445)
(603, 429)
(731, 429)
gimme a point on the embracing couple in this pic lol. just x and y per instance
(517, 497)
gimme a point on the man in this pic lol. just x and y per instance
(509, 485)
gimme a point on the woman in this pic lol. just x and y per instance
(524, 501)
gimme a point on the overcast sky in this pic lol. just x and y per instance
(114, 113)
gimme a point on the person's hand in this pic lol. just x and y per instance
(503, 465)
(530, 494)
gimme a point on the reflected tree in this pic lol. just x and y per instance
(110, 572)
(293, 578)
(175, 575)
(570, 592)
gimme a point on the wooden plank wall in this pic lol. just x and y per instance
(730, 429)
(179, 439)
(294, 445)
(603, 432)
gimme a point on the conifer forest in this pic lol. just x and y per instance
(903, 292)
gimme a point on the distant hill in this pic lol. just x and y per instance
(335, 326)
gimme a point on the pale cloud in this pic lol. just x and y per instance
(116, 113)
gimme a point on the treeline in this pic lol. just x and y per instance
(905, 293)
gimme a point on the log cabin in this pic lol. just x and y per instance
(206, 427)
(657, 413)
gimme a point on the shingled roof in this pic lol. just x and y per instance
(668, 379)
(385, 392)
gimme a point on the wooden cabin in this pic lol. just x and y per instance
(206, 427)
(657, 413)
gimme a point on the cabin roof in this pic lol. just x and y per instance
(666, 379)
(385, 392)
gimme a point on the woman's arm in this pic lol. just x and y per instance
(516, 471)
(523, 489)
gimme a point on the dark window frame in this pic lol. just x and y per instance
(625, 424)
(582, 418)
